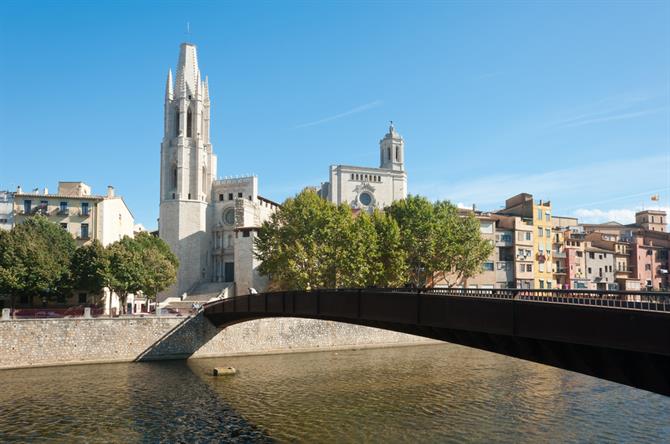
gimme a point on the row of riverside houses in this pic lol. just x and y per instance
(87, 217)
(536, 250)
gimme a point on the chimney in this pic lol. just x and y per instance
(19, 190)
(110, 191)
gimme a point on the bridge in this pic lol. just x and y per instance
(618, 336)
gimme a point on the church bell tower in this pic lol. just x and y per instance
(392, 151)
(188, 167)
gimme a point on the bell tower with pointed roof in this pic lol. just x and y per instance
(392, 150)
(188, 168)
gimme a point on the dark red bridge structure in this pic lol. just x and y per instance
(619, 336)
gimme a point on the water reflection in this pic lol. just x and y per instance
(440, 393)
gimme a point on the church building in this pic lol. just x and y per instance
(208, 223)
(365, 188)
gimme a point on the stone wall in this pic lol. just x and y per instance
(40, 342)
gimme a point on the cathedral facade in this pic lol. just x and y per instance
(364, 188)
(210, 224)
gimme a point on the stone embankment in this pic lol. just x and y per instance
(43, 342)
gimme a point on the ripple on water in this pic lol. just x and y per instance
(440, 393)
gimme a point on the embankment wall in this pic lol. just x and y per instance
(43, 342)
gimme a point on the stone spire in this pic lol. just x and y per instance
(168, 87)
(205, 90)
(188, 73)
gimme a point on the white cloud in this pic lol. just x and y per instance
(621, 215)
(356, 110)
(570, 188)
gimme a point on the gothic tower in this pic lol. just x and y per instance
(392, 151)
(188, 168)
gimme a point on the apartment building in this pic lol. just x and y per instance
(6, 210)
(84, 215)
(537, 213)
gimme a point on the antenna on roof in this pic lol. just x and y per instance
(188, 31)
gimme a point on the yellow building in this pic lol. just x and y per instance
(539, 214)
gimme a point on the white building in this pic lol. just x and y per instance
(6, 210)
(209, 224)
(368, 188)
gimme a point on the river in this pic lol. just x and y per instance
(435, 393)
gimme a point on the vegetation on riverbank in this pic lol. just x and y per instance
(311, 243)
(38, 258)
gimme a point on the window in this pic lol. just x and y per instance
(82, 298)
(84, 209)
(63, 207)
(488, 266)
(540, 231)
(388, 153)
(352, 176)
(600, 256)
(506, 237)
(539, 214)
(579, 253)
(229, 216)
(176, 121)
(220, 197)
(529, 267)
(541, 283)
(522, 267)
(548, 246)
(547, 233)
(548, 284)
(397, 153)
(84, 231)
(174, 177)
(647, 267)
(486, 227)
(588, 270)
(547, 216)
(239, 195)
(245, 233)
(230, 196)
(529, 235)
(189, 123)
(365, 199)
(541, 267)
(27, 206)
(189, 195)
(592, 255)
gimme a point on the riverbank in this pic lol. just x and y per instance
(51, 342)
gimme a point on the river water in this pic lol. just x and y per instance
(436, 393)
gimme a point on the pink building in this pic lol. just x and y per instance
(649, 260)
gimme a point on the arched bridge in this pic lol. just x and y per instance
(619, 336)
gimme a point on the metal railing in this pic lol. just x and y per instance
(634, 300)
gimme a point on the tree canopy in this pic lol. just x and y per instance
(38, 257)
(35, 259)
(311, 243)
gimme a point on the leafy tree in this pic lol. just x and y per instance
(89, 266)
(124, 271)
(415, 217)
(391, 258)
(159, 264)
(298, 247)
(439, 243)
(35, 259)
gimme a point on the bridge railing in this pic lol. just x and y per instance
(635, 300)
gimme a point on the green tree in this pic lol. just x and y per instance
(440, 244)
(35, 259)
(391, 259)
(159, 264)
(89, 266)
(124, 271)
(297, 245)
(415, 217)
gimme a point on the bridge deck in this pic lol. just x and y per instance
(620, 336)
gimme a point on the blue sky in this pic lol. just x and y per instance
(568, 101)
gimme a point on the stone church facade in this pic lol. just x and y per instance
(365, 188)
(211, 224)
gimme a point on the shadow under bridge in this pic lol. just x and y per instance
(618, 336)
